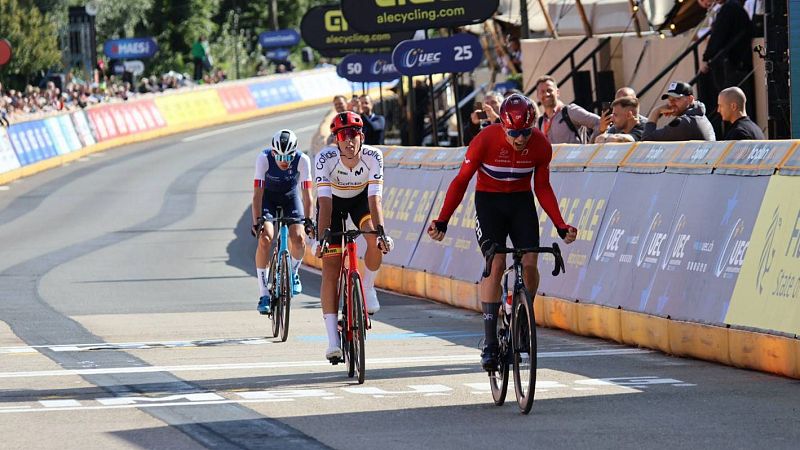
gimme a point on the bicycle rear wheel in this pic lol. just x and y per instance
(284, 297)
(498, 381)
(523, 341)
(272, 292)
(359, 326)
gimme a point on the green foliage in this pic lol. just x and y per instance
(33, 39)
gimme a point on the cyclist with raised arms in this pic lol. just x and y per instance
(281, 171)
(506, 155)
(349, 180)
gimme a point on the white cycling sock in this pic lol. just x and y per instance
(369, 279)
(262, 282)
(332, 327)
(296, 263)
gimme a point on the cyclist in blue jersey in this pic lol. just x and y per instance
(282, 179)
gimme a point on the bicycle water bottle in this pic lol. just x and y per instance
(508, 302)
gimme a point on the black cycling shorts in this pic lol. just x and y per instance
(289, 201)
(357, 208)
(499, 215)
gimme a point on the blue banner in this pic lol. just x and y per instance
(32, 142)
(459, 53)
(133, 48)
(360, 67)
(280, 38)
(279, 54)
(274, 92)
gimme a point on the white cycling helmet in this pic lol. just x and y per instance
(284, 143)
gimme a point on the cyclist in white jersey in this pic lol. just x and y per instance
(349, 179)
(282, 179)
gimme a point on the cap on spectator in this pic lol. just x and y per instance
(678, 89)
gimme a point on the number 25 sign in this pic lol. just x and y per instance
(458, 53)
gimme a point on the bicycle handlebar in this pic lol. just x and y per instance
(495, 249)
(349, 235)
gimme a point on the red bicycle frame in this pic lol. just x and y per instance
(349, 267)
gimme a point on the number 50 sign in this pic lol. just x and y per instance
(458, 53)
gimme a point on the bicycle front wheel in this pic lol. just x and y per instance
(523, 343)
(272, 292)
(498, 381)
(359, 326)
(346, 336)
(285, 297)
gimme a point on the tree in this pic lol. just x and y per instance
(176, 24)
(32, 36)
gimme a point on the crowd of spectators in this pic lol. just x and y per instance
(35, 101)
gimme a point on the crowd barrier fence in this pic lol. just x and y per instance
(691, 248)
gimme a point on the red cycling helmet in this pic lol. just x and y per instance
(347, 119)
(517, 112)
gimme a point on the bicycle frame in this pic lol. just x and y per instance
(350, 266)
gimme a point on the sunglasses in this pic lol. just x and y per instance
(523, 132)
(283, 158)
(348, 134)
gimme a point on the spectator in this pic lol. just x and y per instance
(626, 91)
(200, 57)
(340, 103)
(729, 56)
(689, 123)
(731, 106)
(421, 109)
(561, 123)
(489, 111)
(626, 125)
(374, 124)
(512, 62)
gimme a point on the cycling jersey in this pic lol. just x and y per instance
(333, 178)
(502, 169)
(274, 179)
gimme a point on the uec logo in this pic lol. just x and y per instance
(417, 57)
(381, 67)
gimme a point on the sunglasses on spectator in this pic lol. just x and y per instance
(348, 134)
(523, 132)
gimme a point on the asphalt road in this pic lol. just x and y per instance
(127, 309)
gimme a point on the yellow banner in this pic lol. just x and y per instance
(767, 293)
(180, 109)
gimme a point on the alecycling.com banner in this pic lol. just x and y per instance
(372, 16)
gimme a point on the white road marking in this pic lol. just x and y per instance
(197, 137)
(455, 359)
(291, 395)
(135, 345)
(59, 403)
(5, 187)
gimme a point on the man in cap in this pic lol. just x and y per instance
(689, 121)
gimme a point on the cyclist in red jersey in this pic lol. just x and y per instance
(505, 155)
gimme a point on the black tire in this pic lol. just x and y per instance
(284, 297)
(359, 327)
(273, 279)
(523, 340)
(498, 381)
(347, 343)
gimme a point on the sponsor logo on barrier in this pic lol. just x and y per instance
(767, 258)
(609, 239)
(676, 247)
(731, 258)
(650, 252)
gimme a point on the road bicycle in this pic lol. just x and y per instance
(354, 321)
(517, 332)
(280, 278)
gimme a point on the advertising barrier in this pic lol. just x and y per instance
(583, 199)
(8, 159)
(407, 202)
(32, 142)
(767, 293)
(697, 157)
(754, 157)
(792, 164)
(571, 157)
(237, 99)
(650, 157)
(83, 128)
(609, 157)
